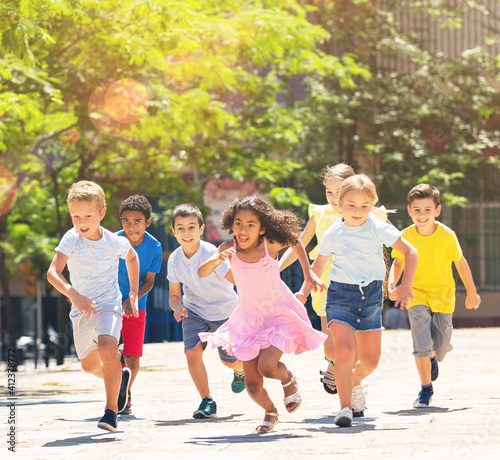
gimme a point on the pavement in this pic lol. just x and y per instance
(56, 410)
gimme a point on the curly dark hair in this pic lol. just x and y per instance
(137, 203)
(281, 226)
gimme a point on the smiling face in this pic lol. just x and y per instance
(356, 206)
(188, 232)
(423, 213)
(332, 188)
(86, 219)
(134, 225)
(247, 229)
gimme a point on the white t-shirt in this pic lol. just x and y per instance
(93, 266)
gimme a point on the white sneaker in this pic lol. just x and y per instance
(358, 398)
(343, 417)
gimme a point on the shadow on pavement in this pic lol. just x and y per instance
(100, 438)
(426, 411)
(191, 421)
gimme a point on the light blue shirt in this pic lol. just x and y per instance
(93, 266)
(213, 298)
(358, 251)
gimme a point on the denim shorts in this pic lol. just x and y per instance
(359, 307)
(193, 325)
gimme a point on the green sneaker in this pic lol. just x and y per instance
(238, 383)
(207, 409)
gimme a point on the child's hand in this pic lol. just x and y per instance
(179, 313)
(472, 301)
(314, 282)
(84, 305)
(130, 306)
(227, 254)
(391, 290)
(301, 297)
(403, 294)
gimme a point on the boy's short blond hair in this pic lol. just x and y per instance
(87, 191)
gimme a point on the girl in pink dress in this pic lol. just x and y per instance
(269, 320)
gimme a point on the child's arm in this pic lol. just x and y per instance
(318, 267)
(146, 286)
(473, 300)
(397, 268)
(132, 264)
(404, 291)
(289, 257)
(55, 277)
(224, 252)
(310, 278)
(175, 301)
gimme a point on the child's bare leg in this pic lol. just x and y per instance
(424, 369)
(328, 344)
(271, 367)
(133, 363)
(237, 365)
(345, 345)
(369, 344)
(107, 346)
(91, 364)
(197, 370)
(254, 382)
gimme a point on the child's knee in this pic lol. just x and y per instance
(253, 387)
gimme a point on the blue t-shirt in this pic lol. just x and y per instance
(93, 266)
(150, 256)
(358, 251)
(213, 298)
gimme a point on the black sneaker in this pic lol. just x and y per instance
(123, 395)
(108, 421)
(434, 368)
(424, 399)
(207, 409)
(128, 407)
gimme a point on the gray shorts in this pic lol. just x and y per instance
(86, 330)
(430, 331)
(193, 325)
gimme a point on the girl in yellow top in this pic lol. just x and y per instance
(321, 217)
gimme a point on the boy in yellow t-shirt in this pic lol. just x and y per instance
(430, 312)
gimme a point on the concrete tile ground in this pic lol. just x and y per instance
(57, 410)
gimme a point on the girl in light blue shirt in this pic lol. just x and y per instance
(355, 294)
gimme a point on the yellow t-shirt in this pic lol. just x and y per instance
(434, 285)
(324, 216)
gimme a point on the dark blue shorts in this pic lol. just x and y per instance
(359, 307)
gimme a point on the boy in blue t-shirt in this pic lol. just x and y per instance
(135, 216)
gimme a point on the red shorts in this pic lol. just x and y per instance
(133, 334)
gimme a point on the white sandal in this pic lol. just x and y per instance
(267, 427)
(293, 398)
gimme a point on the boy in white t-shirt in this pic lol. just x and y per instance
(92, 254)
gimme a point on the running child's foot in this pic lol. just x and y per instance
(434, 368)
(108, 421)
(424, 397)
(358, 401)
(128, 407)
(207, 409)
(123, 395)
(343, 417)
(238, 383)
(328, 379)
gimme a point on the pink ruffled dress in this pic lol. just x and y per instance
(268, 314)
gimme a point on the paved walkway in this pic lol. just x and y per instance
(57, 410)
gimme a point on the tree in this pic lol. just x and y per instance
(134, 94)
